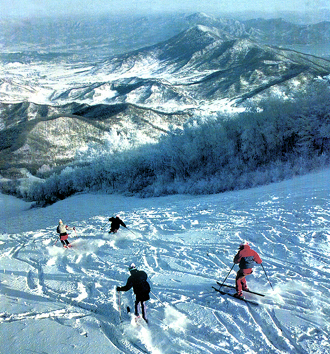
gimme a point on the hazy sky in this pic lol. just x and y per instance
(27, 8)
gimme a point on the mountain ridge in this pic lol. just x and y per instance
(52, 140)
(147, 90)
(112, 35)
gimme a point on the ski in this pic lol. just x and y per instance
(248, 291)
(240, 299)
(119, 305)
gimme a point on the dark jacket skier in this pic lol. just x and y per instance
(62, 230)
(246, 258)
(141, 288)
(115, 224)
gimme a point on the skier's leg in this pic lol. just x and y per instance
(144, 311)
(243, 283)
(245, 272)
(239, 277)
(137, 307)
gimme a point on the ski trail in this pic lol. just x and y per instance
(30, 280)
(185, 245)
(234, 333)
(78, 279)
(112, 334)
(272, 333)
(224, 331)
(63, 313)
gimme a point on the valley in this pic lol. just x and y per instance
(53, 105)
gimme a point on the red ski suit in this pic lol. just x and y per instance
(246, 258)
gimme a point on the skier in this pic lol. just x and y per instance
(246, 258)
(141, 288)
(61, 229)
(115, 224)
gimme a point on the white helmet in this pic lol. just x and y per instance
(132, 266)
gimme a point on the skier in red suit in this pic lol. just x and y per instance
(246, 258)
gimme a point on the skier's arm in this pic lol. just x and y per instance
(69, 228)
(122, 223)
(128, 285)
(257, 259)
(237, 258)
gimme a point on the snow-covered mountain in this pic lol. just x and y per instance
(68, 37)
(178, 72)
(279, 31)
(56, 300)
(49, 108)
(40, 136)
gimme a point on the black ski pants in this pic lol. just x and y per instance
(65, 242)
(143, 309)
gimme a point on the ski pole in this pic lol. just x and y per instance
(104, 225)
(227, 276)
(267, 276)
(130, 231)
(119, 305)
(157, 298)
(56, 241)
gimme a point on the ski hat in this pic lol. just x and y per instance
(60, 221)
(244, 243)
(132, 266)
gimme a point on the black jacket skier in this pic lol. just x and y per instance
(115, 224)
(141, 288)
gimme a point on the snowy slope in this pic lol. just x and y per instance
(55, 300)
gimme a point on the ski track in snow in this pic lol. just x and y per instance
(57, 300)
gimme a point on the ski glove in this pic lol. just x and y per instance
(118, 288)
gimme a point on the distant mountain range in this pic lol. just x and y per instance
(50, 108)
(281, 32)
(93, 38)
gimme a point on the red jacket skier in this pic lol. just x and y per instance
(246, 258)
